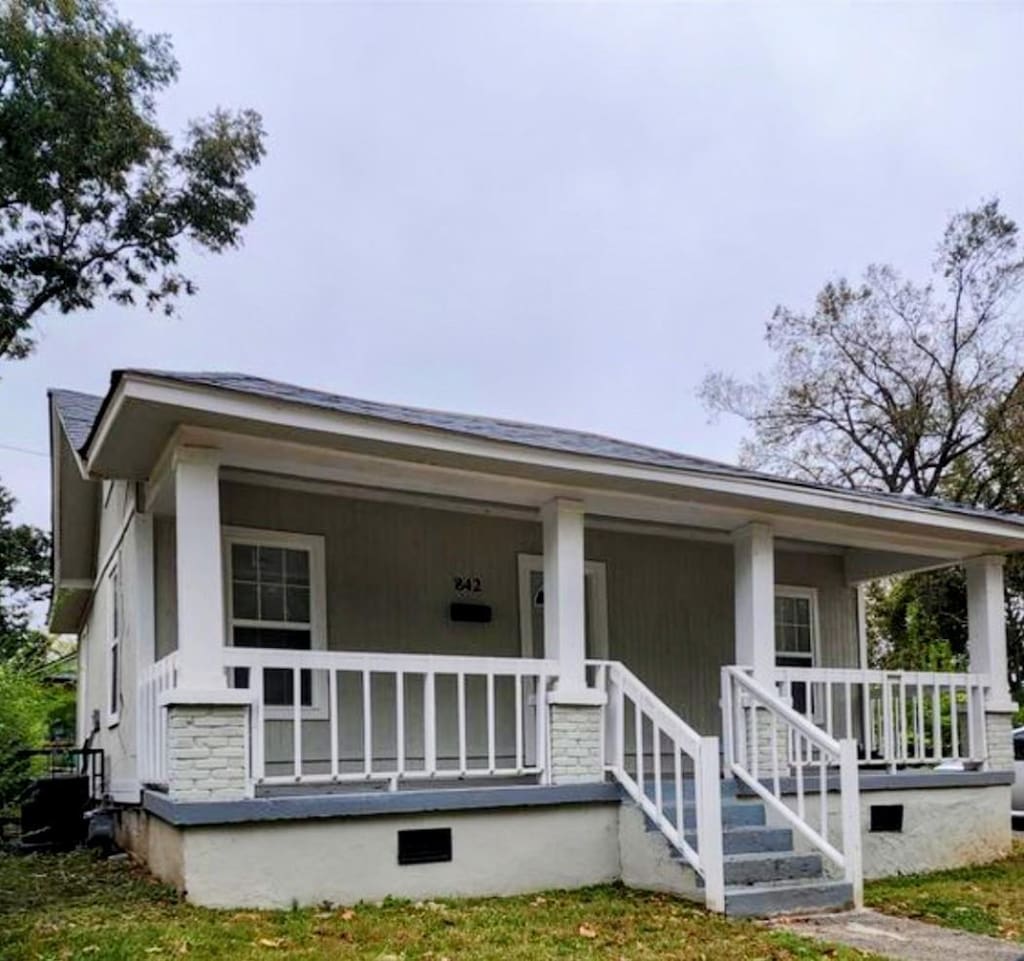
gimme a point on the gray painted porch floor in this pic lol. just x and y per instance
(900, 938)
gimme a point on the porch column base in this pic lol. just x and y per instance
(206, 752)
(999, 740)
(575, 755)
(760, 739)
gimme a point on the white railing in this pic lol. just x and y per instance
(151, 720)
(668, 769)
(778, 752)
(898, 718)
(333, 716)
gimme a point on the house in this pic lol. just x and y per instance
(338, 650)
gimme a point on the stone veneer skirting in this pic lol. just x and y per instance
(575, 744)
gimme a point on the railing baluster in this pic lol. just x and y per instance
(638, 737)
(677, 772)
(954, 722)
(936, 722)
(429, 725)
(867, 709)
(656, 748)
(332, 711)
(258, 725)
(919, 726)
(491, 764)
(848, 709)
(519, 721)
(460, 707)
(399, 723)
(297, 722)
(367, 725)
(904, 740)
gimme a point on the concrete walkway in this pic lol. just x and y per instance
(900, 938)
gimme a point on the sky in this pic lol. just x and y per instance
(564, 213)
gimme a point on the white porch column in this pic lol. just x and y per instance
(564, 593)
(986, 627)
(754, 553)
(199, 569)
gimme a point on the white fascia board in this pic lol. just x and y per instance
(296, 416)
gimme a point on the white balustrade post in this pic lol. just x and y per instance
(709, 825)
(575, 751)
(199, 569)
(754, 554)
(207, 721)
(849, 801)
(564, 592)
(986, 640)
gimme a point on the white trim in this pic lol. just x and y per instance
(527, 564)
(801, 593)
(114, 694)
(278, 457)
(314, 545)
(305, 417)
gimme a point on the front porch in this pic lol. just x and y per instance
(316, 638)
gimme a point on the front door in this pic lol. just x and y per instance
(531, 623)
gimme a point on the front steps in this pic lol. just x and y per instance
(764, 874)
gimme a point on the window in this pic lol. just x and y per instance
(796, 634)
(275, 600)
(796, 617)
(115, 600)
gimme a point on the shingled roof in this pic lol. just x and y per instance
(79, 412)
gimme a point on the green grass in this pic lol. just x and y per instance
(74, 907)
(985, 900)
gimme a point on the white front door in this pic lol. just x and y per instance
(531, 624)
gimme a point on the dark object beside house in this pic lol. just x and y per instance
(53, 806)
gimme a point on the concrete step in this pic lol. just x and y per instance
(761, 868)
(733, 815)
(787, 897)
(753, 840)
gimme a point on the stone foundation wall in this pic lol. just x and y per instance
(206, 748)
(575, 744)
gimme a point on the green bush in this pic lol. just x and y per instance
(25, 712)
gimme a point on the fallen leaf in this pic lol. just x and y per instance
(270, 942)
(348, 914)
(586, 931)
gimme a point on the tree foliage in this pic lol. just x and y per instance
(888, 384)
(96, 199)
(24, 582)
(892, 385)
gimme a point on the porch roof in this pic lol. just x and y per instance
(83, 415)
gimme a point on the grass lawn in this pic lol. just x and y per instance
(985, 900)
(73, 907)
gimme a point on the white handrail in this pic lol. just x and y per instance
(755, 720)
(353, 716)
(660, 789)
(898, 718)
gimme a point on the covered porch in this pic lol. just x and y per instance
(379, 636)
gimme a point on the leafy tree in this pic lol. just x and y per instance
(893, 385)
(897, 386)
(24, 581)
(95, 198)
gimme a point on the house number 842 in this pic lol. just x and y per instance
(468, 585)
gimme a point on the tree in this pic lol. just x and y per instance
(95, 198)
(897, 386)
(24, 582)
(891, 385)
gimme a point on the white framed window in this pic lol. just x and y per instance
(274, 582)
(796, 636)
(796, 626)
(115, 619)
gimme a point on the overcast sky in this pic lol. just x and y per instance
(563, 213)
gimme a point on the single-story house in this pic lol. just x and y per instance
(339, 650)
